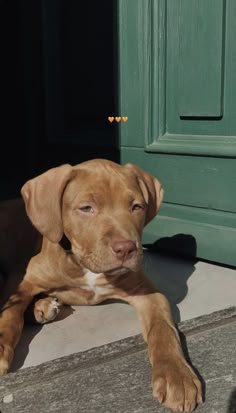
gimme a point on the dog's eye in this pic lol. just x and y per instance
(136, 207)
(87, 209)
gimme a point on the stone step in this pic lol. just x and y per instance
(116, 378)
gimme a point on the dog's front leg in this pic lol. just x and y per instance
(12, 321)
(174, 382)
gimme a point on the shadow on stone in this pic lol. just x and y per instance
(29, 332)
(232, 402)
(169, 272)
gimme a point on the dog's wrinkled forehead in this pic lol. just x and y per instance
(105, 170)
(101, 180)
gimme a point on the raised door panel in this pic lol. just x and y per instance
(200, 44)
(196, 64)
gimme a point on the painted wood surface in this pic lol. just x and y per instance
(179, 93)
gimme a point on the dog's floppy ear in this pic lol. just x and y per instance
(151, 188)
(42, 196)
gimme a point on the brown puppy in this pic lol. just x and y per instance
(91, 217)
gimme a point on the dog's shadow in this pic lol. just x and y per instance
(169, 272)
(232, 402)
(29, 332)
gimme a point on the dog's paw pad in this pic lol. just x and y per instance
(46, 309)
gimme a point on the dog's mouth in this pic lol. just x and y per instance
(96, 264)
(101, 262)
(118, 271)
(110, 270)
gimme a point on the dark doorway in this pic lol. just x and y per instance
(58, 82)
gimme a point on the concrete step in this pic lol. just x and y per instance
(117, 377)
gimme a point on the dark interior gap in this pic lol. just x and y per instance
(216, 118)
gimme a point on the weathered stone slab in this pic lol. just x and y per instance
(117, 377)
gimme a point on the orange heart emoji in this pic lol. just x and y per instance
(125, 118)
(111, 118)
(117, 118)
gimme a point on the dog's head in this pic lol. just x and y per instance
(100, 206)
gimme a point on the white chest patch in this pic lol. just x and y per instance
(91, 279)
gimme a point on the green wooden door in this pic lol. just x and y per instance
(178, 89)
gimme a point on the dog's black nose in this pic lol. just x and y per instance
(123, 249)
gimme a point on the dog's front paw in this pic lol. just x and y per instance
(176, 385)
(6, 356)
(46, 309)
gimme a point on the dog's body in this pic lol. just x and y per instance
(91, 218)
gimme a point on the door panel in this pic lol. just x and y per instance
(184, 64)
(193, 181)
(200, 72)
(201, 33)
